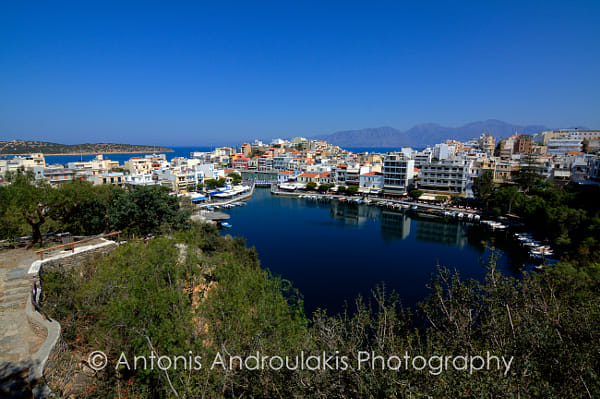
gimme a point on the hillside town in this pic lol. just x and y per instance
(446, 169)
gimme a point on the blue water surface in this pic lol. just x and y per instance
(332, 252)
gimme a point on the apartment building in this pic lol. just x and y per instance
(398, 172)
(448, 176)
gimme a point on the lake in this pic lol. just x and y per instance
(332, 252)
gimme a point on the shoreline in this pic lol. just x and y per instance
(90, 153)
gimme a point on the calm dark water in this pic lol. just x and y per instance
(333, 252)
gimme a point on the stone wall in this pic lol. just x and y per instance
(54, 364)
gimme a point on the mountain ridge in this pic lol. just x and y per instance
(425, 134)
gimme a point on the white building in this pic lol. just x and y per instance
(423, 157)
(443, 151)
(450, 176)
(398, 172)
(561, 146)
(28, 162)
(372, 180)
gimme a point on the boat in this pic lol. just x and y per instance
(225, 225)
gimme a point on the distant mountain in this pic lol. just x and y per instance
(22, 147)
(425, 134)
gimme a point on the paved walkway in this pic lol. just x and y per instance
(18, 342)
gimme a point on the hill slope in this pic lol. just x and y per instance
(425, 134)
(20, 147)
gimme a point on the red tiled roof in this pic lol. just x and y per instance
(306, 174)
(373, 174)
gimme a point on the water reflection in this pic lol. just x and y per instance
(448, 233)
(394, 224)
(353, 213)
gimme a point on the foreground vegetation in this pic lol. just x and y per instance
(208, 295)
(31, 206)
(569, 217)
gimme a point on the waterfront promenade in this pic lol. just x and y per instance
(421, 205)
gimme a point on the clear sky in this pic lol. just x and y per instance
(199, 73)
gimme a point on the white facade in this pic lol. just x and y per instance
(451, 176)
(563, 146)
(398, 172)
(443, 151)
(372, 180)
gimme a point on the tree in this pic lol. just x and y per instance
(585, 146)
(237, 178)
(505, 197)
(415, 194)
(351, 190)
(211, 184)
(147, 209)
(311, 185)
(441, 199)
(529, 172)
(483, 186)
(323, 188)
(37, 202)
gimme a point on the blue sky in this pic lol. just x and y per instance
(210, 72)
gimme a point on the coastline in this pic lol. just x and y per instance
(93, 153)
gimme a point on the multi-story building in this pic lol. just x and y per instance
(140, 180)
(561, 146)
(443, 151)
(398, 173)
(423, 157)
(58, 176)
(246, 149)
(326, 178)
(113, 178)
(487, 143)
(448, 176)
(139, 166)
(506, 171)
(593, 169)
(28, 162)
(521, 144)
(240, 163)
(371, 180)
(282, 162)
(309, 177)
(265, 163)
